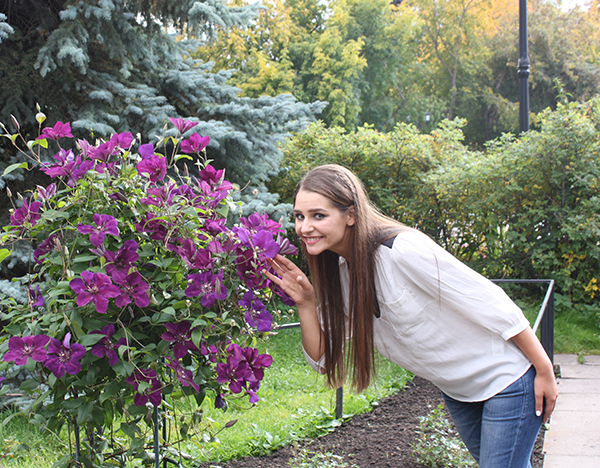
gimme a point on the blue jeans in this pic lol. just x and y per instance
(500, 432)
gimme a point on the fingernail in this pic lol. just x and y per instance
(538, 413)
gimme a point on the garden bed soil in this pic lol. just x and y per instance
(379, 439)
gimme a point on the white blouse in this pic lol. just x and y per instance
(442, 320)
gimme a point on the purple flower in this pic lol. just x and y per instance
(156, 228)
(146, 151)
(211, 175)
(46, 193)
(122, 140)
(215, 226)
(103, 151)
(207, 285)
(182, 125)
(285, 246)
(200, 259)
(132, 286)
(264, 245)
(155, 166)
(123, 259)
(85, 147)
(257, 314)
(194, 144)
(35, 297)
(257, 363)
(185, 377)
(32, 346)
(44, 248)
(256, 223)
(261, 243)
(64, 357)
(235, 371)
(106, 347)
(244, 369)
(60, 130)
(213, 185)
(105, 224)
(249, 271)
(181, 335)
(68, 166)
(96, 288)
(158, 196)
(210, 351)
(150, 389)
(26, 216)
(220, 402)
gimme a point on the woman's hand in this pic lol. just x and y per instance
(292, 281)
(296, 285)
(546, 390)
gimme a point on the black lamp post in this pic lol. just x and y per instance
(523, 68)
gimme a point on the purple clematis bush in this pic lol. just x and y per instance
(140, 290)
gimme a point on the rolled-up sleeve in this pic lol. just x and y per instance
(318, 366)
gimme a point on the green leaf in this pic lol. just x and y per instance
(109, 413)
(29, 385)
(183, 156)
(91, 339)
(14, 167)
(130, 430)
(223, 210)
(43, 142)
(9, 418)
(85, 412)
(4, 253)
(109, 391)
(84, 258)
(190, 211)
(77, 330)
(123, 368)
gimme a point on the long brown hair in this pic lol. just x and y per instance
(346, 191)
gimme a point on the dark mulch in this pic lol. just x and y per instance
(380, 439)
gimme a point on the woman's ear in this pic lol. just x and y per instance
(351, 216)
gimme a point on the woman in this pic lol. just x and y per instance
(381, 285)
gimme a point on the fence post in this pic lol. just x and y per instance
(547, 325)
(339, 402)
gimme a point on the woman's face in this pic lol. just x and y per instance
(321, 225)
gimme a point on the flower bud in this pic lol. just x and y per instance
(8, 192)
(40, 117)
(15, 122)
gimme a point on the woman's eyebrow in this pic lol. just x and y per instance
(312, 210)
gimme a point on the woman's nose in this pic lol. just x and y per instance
(305, 226)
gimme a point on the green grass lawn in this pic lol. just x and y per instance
(295, 403)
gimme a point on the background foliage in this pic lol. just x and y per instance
(522, 208)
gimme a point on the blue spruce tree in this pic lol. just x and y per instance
(119, 65)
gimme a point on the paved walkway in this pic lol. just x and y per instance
(573, 440)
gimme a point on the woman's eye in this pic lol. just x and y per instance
(319, 216)
(299, 217)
